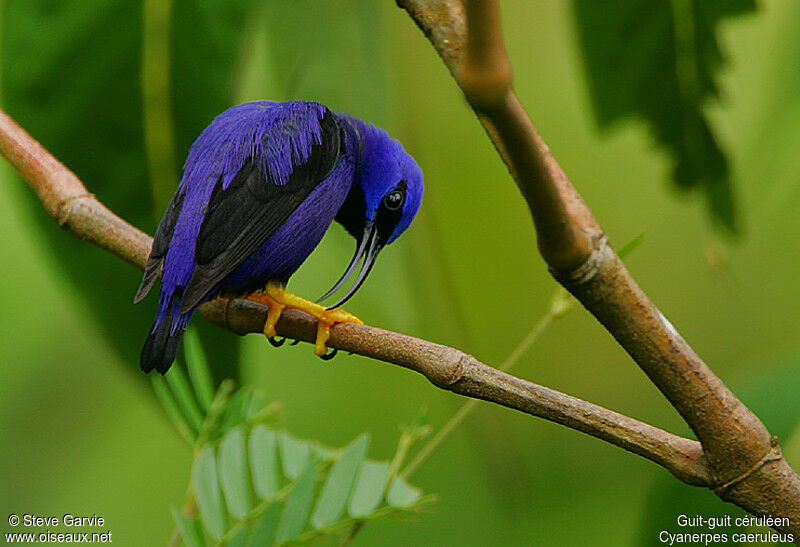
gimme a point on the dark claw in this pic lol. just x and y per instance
(294, 342)
(276, 342)
(330, 355)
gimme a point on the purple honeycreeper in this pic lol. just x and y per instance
(260, 187)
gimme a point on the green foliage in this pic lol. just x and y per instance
(66, 389)
(254, 484)
(303, 64)
(659, 60)
(78, 88)
(243, 492)
(74, 84)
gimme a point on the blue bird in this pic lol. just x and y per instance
(261, 185)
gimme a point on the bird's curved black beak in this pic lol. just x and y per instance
(368, 248)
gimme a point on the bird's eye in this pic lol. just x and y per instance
(394, 200)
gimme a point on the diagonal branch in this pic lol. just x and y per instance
(77, 211)
(67, 200)
(746, 462)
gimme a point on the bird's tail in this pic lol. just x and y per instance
(161, 345)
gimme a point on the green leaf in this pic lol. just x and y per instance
(402, 494)
(184, 397)
(164, 395)
(335, 491)
(210, 429)
(239, 539)
(245, 467)
(294, 455)
(658, 60)
(199, 371)
(305, 65)
(207, 492)
(206, 42)
(298, 505)
(65, 60)
(229, 409)
(234, 478)
(630, 246)
(369, 489)
(242, 406)
(264, 530)
(190, 529)
(264, 461)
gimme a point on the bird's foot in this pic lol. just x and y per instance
(278, 299)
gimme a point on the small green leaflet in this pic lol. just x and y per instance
(255, 485)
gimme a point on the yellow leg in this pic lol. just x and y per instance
(278, 299)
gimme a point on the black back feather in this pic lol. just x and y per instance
(241, 217)
(160, 347)
(160, 243)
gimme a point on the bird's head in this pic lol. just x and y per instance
(385, 197)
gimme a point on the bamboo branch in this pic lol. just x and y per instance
(747, 466)
(445, 367)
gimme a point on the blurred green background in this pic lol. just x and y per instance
(80, 430)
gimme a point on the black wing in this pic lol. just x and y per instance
(160, 243)
(240, 218)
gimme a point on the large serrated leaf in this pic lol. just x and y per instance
(659, 59)
(234, 476)
(339, 482)
(264, 461)
(369, 489)
(205, 483)
(298, 506)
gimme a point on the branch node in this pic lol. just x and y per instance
(64, 210)
(584, 273)
(486, 88)
(445, 377)
(773, 454)
(459, 371)
(225, 314)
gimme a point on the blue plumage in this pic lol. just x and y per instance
(261, 185)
